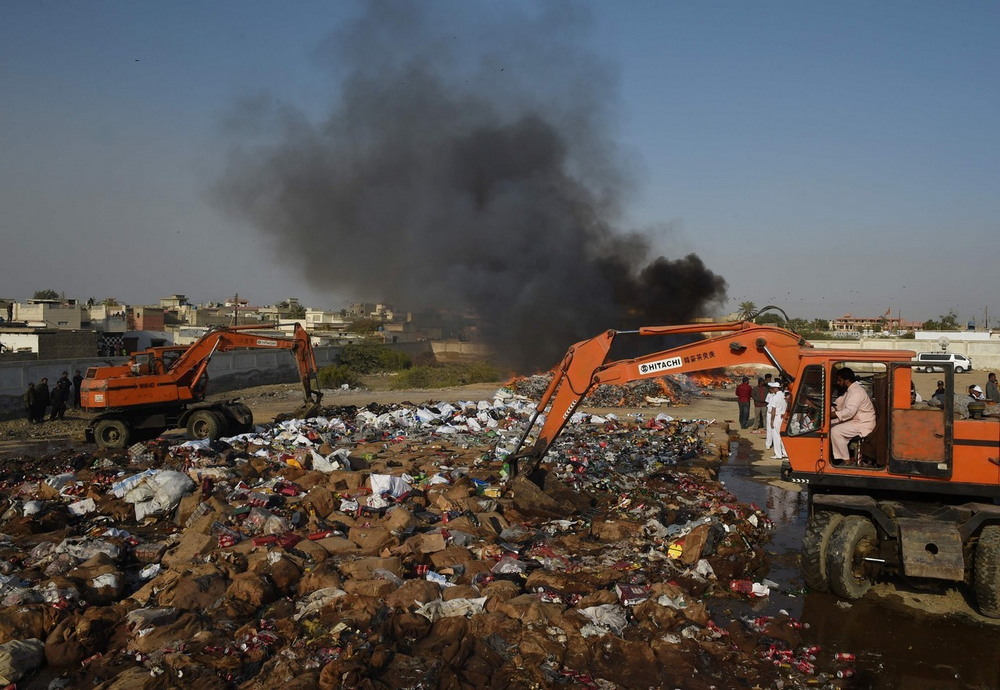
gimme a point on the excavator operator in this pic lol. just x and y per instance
(852, 415)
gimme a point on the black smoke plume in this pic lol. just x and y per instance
(464, 169)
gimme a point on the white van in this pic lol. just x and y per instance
(960, 362)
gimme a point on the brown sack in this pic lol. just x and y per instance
(694, 544)
(369, 539)
(363, 568)
(252, 589)
(412, 594)
(322, 576)
(379, 589)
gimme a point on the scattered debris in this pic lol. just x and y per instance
(386, 546)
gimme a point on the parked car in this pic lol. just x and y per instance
(961, 363)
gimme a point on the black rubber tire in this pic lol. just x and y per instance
(206, 424)
(854, 538)
(815, 543)
(112, 433)
(986, 572)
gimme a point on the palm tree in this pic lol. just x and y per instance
(747, 310)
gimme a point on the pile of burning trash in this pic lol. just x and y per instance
(387, 547)
(670, 389)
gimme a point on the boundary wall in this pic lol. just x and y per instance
(985, 354)
(227, 371)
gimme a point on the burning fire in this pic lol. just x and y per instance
(716, 378)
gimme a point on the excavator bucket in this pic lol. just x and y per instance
(307, 410)
(310, 408)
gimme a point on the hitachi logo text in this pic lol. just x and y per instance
(267, 343)
(659, 365)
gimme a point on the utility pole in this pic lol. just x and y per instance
(236, 309)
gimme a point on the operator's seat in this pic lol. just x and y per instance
(875, 446)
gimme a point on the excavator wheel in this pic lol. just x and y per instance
(112, 433)
(986, 574)
(206, 424)
(852, 541)
(815, 545)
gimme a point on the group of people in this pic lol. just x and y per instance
(770, 404)
(38, 398)
(852, 413)
(973, 394)
(991, 393)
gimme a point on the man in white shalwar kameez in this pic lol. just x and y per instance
(776, 408)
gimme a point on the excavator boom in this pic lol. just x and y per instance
(584, 366)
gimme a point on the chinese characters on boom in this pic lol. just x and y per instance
(659, 365)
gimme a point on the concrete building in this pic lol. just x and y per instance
(147, 318)
(48, 343)
(108, 318)
(849, 326)
(49, 313)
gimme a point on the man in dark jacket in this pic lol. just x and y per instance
(77, 380)
(30, 402)
(41, 399)
(60, 396)
(760, 405)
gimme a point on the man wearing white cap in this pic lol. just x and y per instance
(976, 392)
(776, 408)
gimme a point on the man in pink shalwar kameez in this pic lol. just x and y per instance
(853, 415)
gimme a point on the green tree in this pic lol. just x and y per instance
(46, 294)
(365, 326)
(110, 302)
(370, 357)
(297, 311)
(948, 322)
(336, 375)
(747, 310)
(770, 318)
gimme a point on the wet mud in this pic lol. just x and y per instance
(900, 637)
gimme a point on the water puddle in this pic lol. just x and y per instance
(895, 647)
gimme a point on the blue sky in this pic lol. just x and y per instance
(824, 157)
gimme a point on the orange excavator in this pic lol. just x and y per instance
(916, 499)
(164, 388)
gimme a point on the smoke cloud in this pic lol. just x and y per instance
(470, 170)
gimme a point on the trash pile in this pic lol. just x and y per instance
(387, 547)
(662, 390)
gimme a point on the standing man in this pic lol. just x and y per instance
(759, 405)
(773, 391)
(853, 415)
(743, 394)
(77, 380)
(776, 408)
(30, 402)
(41, 399)
(992, 391)
(60, 396)
(938, 394)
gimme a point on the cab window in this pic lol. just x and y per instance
(808, 409)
